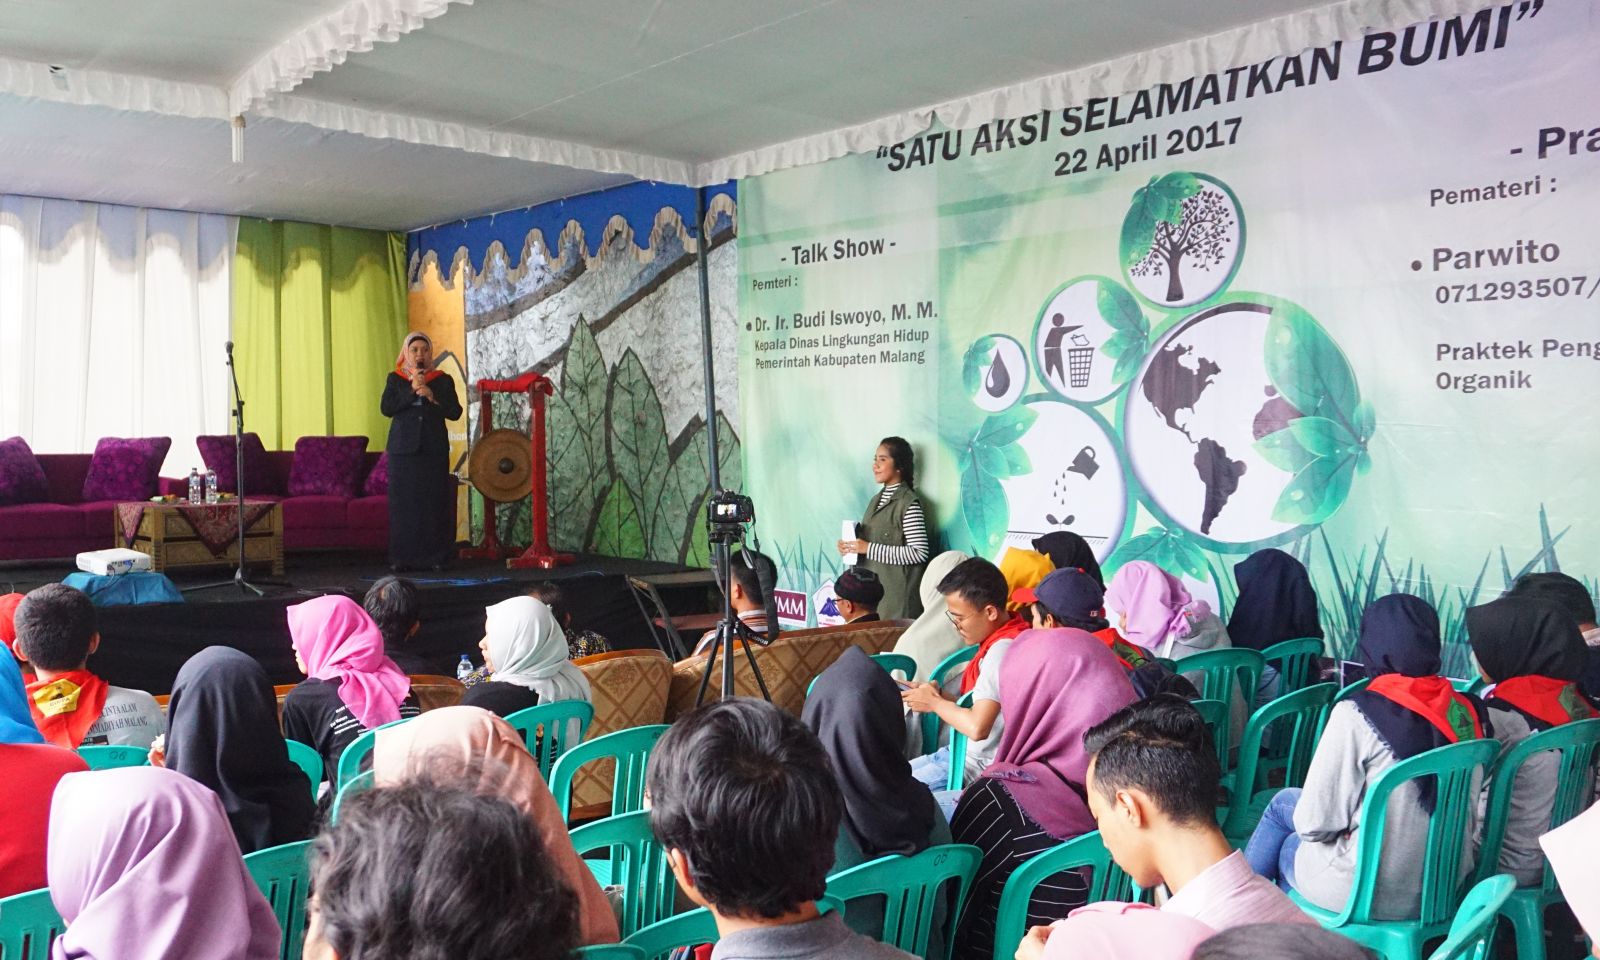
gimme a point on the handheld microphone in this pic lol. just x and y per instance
(229, 346)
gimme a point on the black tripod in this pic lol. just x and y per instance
(239, 577)
(730, 627)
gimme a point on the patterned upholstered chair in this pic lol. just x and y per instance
(435, 690)
(787, 665)
(628, 689)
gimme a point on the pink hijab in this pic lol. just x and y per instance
(143, 864)
(1155, 603)
(338, 641)
(1054, 686)
(485, 746)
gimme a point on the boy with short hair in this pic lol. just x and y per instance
(1152, 786)
(742, 798)
(56, 634)
(395, 606)
(975, 600)
(745, 596)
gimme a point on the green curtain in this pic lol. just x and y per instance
(318, 315)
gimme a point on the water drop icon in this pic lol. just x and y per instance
(998, 380)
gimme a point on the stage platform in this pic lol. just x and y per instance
(143, 647)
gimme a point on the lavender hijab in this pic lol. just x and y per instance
(1158, 608)
(1054, 686)
(143, 864)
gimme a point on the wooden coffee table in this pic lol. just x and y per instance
(165, 532)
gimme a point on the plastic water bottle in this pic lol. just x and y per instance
(194, 485)
(464, 668)
(211, 486)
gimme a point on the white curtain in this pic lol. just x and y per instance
(112, 324)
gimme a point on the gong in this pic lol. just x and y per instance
(501, 466)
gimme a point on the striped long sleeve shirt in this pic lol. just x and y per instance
(915, 530)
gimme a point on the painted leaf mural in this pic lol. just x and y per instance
(639, 454)
(580, 467)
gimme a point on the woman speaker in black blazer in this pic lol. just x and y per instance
(419, 399)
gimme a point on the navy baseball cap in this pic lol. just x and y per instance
(1072, 593)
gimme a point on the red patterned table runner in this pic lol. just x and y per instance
(214, 524)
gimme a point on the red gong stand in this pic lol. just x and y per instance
(539, 554)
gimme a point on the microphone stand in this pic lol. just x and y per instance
(239, 577)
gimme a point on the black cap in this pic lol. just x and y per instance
(859, 585)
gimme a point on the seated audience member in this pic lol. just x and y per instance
(1067, 550)
(1023, 570)
(526, 653)
(395, 606)
(1571, 595)
(56, 633)
(1307, 839)
(856, 594)
(1112, 931)
(1153, 784)
(478, 883)
(1071, 598)
(472, 748)
(1031, 797)
(740, 793)
(1281, 941)
(351, 685)
(223, 732)
(8, 628)
(30, 769)
(144, 865)
(1276, 601)
(1532, 652)
(1151, 609)
(932, 637)
(581, 642)
(975, 601)
(745, 596)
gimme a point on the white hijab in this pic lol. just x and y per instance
(932, 637)
(529, 649)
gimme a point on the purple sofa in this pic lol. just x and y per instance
(65, 526)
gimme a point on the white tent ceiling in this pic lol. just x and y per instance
(402, 113)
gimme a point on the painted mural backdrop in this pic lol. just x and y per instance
(1342, 302)
(618, 331)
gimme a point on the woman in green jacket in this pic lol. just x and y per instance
(893, 535)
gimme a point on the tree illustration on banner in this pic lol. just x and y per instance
(1180, 222)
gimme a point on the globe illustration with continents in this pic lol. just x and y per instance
(1244, 425)
(1076, 480)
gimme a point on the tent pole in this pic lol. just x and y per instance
(702, 248)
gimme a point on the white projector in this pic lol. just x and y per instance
(109, 563)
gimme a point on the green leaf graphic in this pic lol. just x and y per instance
(1365, 421)
(991, 461)
(638, 441)
(1284, 451)
(1120, 343)
(579, 464)
(1017, 462)
(1307, 367)
(1127, 365)
(1119, 309)
(1320, 436)
(1159, 200)
(1005, 427)
(1316, 492)
(681, 495)
(975, 363)
(619, 532)
(983, 506)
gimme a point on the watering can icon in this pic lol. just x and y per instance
(1085, 463)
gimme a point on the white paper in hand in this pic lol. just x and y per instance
(848, 532)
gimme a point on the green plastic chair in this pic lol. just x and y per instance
(308, 759)
(1225, 671)
(1295, 661)
(359, 783)
(660, 939)
(29, 923)
(911, 890)
(1526, 906)
(350, 759)
(105, 757)
(1107, 881)
(284, 875)
(1455, 766)
(648, 887)
(1351, 689)
(551, 729)
(630, 749)
(1219, 720)
(958, 752)
(948, 667)
(611, 951)
(1472, 931)
(890, 662)
(1293, 722)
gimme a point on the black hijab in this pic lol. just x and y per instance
(855, 710)
(1067, 550)
(1400, 634)
(1276, 601)
(1572, 596)
(222, 730)
(1521, 636)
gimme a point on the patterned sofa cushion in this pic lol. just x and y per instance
(628, 689)
(788, 665)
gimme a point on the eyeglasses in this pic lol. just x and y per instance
(951, 616)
